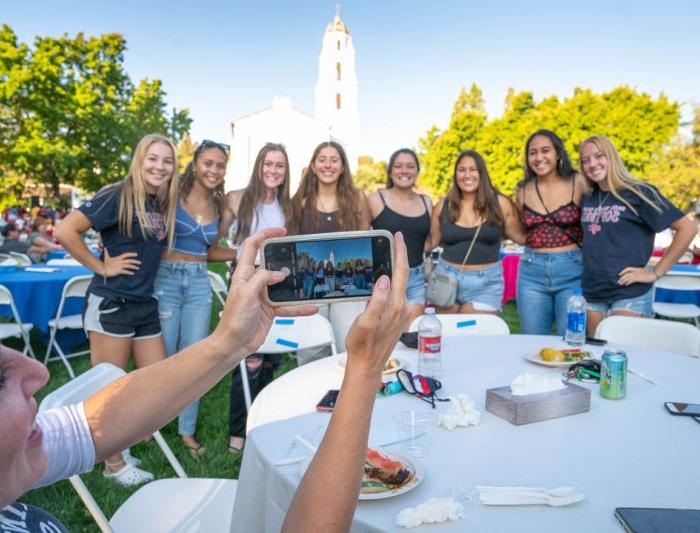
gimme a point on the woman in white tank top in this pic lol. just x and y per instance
(263, 204)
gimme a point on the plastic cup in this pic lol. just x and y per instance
(416, 428)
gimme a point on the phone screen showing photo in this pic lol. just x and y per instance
(329, 268)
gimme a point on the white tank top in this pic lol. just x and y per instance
(265, 216)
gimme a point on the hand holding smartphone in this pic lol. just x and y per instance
(327, 267)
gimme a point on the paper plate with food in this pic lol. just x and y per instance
(391, 366)
(558, 356)
(388, 474)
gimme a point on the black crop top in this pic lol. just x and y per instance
(414, 229)
(456, 240)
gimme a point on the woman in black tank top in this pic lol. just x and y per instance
(400, 208)
(469, 224)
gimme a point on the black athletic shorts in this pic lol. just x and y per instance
(119, 317)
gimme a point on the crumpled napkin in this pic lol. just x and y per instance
(432, 511)
(461, 413)
(528, 383)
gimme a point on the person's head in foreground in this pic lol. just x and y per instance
(243, 326)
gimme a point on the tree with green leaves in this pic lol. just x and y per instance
(69, 112)
(639, 125)
(370, 175)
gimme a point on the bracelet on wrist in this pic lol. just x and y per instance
(656, 275)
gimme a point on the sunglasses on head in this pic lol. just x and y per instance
(207, 143)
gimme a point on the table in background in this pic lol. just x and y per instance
(37, 295)
(620, 453)
(511, 261)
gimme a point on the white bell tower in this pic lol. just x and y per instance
(336, 88)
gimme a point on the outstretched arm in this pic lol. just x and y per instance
(339, 460)
(148, 398)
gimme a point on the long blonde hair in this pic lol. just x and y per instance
(618, 178)
(132, 200)
(347, 195)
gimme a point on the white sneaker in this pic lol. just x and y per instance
(130, 459)
(129, 476)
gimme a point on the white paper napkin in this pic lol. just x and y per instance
(462, 413)
(432, 511)
(528, 383)
(557, 497)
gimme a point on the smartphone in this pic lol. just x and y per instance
(683, 409)
(327, 267)
(595, 342)
(643, 520)
(327, 403)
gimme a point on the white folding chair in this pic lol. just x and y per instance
(177, 504)
(218, 287)
(289, 335)
(677, 310)
(22, 259)
(75, 288)
(5, 257)
(18, 328)
(651, 333)
(472, 324)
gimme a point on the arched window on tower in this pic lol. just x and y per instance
(337, 101)
(337, 70)
(338, 44)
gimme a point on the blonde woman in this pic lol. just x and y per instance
(135, 218)
(620, 218)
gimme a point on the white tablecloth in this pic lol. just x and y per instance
(620, 454)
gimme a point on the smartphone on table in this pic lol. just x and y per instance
(327, 267)
(327, 403)
(683, 409)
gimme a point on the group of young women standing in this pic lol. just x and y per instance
(150, 296)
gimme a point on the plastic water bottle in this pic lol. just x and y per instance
(429, 344)
(576, 319)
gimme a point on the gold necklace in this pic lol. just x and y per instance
(601, 202)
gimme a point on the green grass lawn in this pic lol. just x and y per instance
(61, 500)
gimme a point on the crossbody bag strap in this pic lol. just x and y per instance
(476, 235)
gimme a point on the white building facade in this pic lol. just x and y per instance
(336, 116)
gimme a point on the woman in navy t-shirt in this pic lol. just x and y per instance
(135, 218)
(620, 218)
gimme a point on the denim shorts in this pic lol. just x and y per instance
(415, 289)
(482, 288)
(545, 282)
(642, 305)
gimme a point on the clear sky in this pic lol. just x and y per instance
(223, 59)
(343, 249)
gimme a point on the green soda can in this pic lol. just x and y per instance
(613, 375)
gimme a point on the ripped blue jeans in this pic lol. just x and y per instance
(184, 307)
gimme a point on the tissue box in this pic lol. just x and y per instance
(536, 407)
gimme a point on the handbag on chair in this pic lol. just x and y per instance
(442, 286)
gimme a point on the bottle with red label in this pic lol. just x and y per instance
(429, 344)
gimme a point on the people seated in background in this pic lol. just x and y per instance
(11, 242)
(40, 242)
(37, 450)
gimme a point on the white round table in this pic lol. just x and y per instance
(628, 453)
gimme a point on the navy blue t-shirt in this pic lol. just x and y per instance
(103, 212)
(614, 237)
(20, 517)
